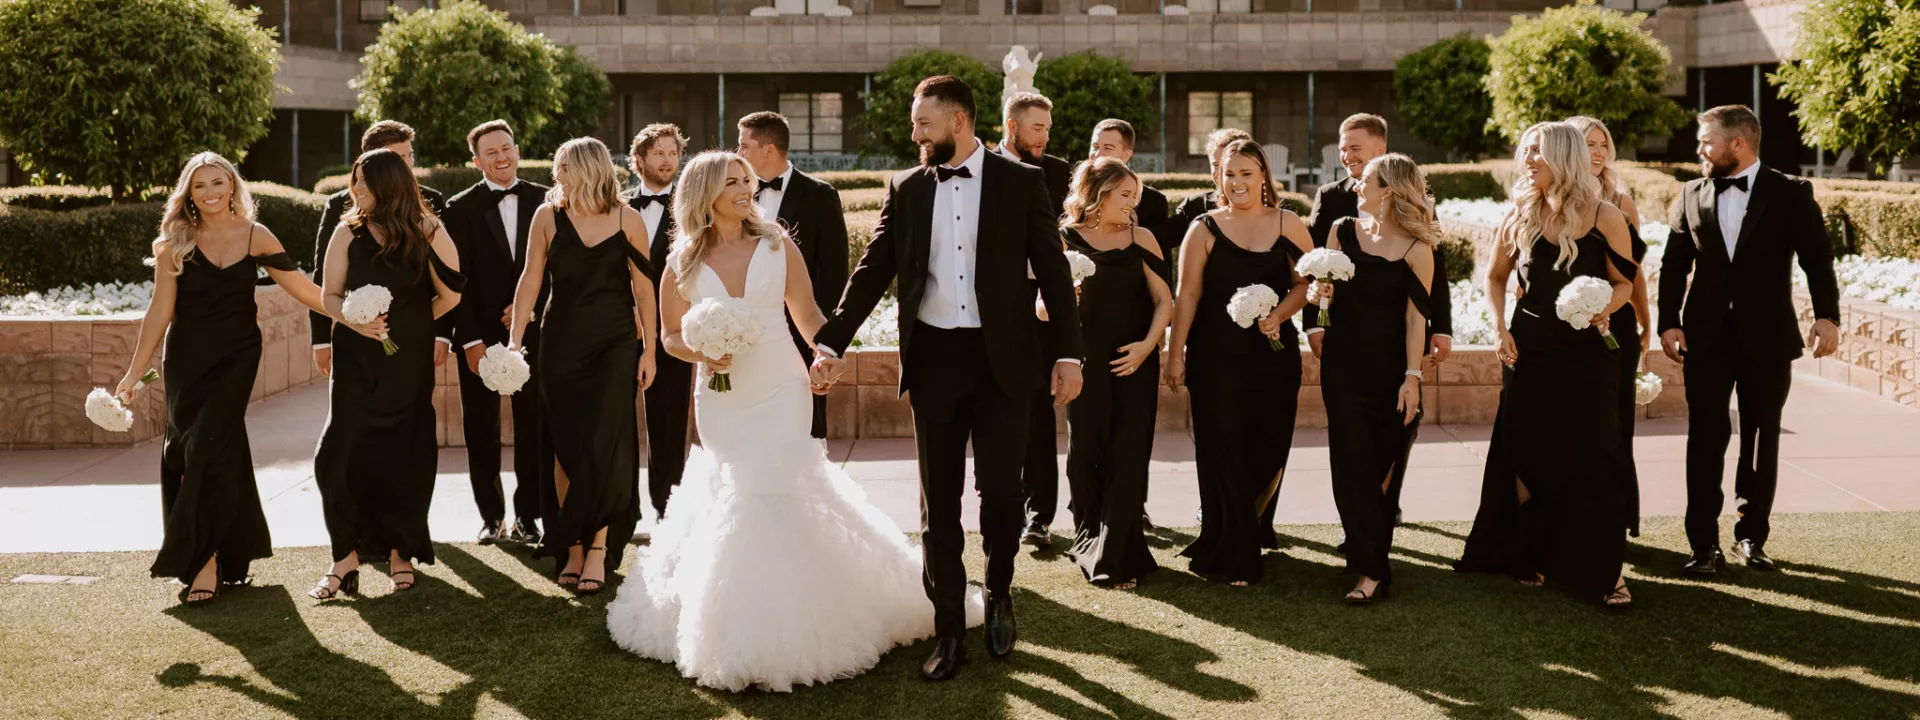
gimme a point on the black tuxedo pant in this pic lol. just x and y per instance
(1714, 375)
(480, 413)
(667, 401)
(1040, 470)
(956, 399)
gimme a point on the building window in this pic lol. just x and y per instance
(375, 11)
(1210, 111)
(814, 120)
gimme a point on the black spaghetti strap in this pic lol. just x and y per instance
(634, 256)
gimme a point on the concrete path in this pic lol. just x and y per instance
(1843, 451)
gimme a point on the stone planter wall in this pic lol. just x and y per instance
(1879, 349)
(49, 364)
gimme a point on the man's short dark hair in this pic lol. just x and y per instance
(949, 90)
(490, 126)
(384, 133)
(1117, 125)
(1024, 101)
(643, 142)
(770, 128)
(1738, 120)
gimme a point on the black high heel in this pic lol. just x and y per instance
(349, 585)
(1619, 593)
(402, 586)
(1381, 591)
(580, 588)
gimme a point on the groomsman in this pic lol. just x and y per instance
(960, 235)
(1113, 138)
(488, 224)
(1737, 232)
(655, 157)
(810, 210)
(1363, 137)
(1029, 119)
(389, 135)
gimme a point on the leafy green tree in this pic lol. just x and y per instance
(119, 93)
(1086, 88)
(1857, 79)
(445, 70)
(884, 123)
(1581, 60)
(584, 98)
(1440, 95)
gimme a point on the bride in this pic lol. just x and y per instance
(770, 568)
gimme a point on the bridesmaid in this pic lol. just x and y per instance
(377, 456)
(1370, 361)
(1244, 393)
(203, 278)
(1553, 498)
(595, 359)
(1631, 323)
(1124, 309)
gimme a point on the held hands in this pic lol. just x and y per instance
(1066, 382)
(825, 372)
(1824, 337)
(1409, 400)
(1674, 344)
(1442, 347)
(1132, 356)
(1506, 350)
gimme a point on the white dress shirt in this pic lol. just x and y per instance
(509, 216)
(950, 301)
(768, 199)
(1732, 206)
(655, 213)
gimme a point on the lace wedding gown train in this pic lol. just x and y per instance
(770, 569)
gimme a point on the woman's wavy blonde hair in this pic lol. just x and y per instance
(592, 185)
(1612, 188)
(180, 220)
(1093, 183)
(700, 185)
(1567, 201)
(1409, 206)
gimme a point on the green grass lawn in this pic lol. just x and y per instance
(1837, 634)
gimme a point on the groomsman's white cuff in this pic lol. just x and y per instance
(1313, 330)
(1443, 335)
(449, 343)
(1075, 361)
(827, 351)
(322, 346)
(471, 344)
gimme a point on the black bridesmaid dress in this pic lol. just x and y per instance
(377, 457)
(207, 492)
(1627, 331)
(1243, 396)
(1111, 423)
(1363, 364)
(1558, 432)
(589, 360)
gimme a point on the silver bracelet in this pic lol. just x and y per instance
(1415, 373)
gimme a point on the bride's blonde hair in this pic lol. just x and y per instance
(1567, 201)
(700, 185)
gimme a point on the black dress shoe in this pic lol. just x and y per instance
(524, 532)
(948, 655)
(1704, 564)
(1749, 552)
(1038, 536)
(1000, 626)
(489, 532)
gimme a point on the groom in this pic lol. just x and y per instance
(959, 233)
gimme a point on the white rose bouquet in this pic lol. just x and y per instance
(1646, 388)
(1251, 303)
(105, 409)
(718, 327)
(365, 303)
(504, 371)
(1584, 298)
(1323, 265)
(1081, 265)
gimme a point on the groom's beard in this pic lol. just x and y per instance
(938, 152)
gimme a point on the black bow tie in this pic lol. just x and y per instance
(1720, 185)
(778, 183)
(946, 173)
(641, 201)
(495, 196)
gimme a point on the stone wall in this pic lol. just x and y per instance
(48, 365)
(1879, 349)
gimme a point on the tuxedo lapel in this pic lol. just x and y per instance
(988, 231)
(919, 201)
(1756, 208)
(490, 215)
(791, 202)
(1709, 230)
(530, 199)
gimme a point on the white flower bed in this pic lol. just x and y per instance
(96, 299)
(882, 328)
(1482, 211)
(1892, 281)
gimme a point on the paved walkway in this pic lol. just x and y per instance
(1843, 451)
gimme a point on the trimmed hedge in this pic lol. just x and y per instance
(1884, 224)
(1468, 181)
(450, 180)
(58, 236)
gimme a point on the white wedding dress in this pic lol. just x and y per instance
(771, 569)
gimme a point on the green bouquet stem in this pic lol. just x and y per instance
(1612, 344)
(721, 382)
(386, 343)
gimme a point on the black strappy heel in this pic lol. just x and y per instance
(1381, 590)
(349, 585)
(580, 588)
(1619, 593)
(402, 586)
(198, 596)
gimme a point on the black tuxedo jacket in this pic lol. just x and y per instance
(810, 210)
(662, 242)
(492, 269)
(1753, 289)
(1015, 230)
(1151, 214)
(321, 326)
(1340, 199)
